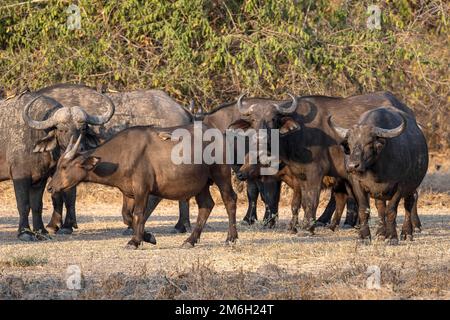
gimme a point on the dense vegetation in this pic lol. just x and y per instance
(212, 50)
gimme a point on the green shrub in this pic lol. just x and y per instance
(212, 50)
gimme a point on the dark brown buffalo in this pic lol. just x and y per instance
(138, 162)
(387, 159)
(339, 193)
(308, 145)
(269, 187)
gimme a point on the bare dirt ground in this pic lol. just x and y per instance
(264, 264)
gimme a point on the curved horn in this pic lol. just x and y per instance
(289, 109)
(72, 150)
(191, 106)
(239, 103)
(39, 125)
(342, 132)
(390, 133)
(99, 120)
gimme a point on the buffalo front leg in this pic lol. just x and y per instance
(36, 194)
(362, 198)
(341, 200)
(310, 202)
(381, 228)
(270, 194)
(183, 223)
(205, 205)
(252, 196)
(391, 219)
(22, 192)
(296, 202)
(56, 220)
(70, 222)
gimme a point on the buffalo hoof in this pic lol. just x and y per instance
(292, 230)
(332, 227)
(75, 225)
(417, 230)
(380, 238)
(365, 241)
(347, 226)
(392, 241)
(270, 223)
(248, 222)
(320, 224)
(128, 232)
(52, 229)
(42, 235)
(179, 229)
(409, 237)
(187, 245)
(26, 236)
(132, 245)
(65, 231)
(149, 237)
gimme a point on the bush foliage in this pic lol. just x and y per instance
(213, 50)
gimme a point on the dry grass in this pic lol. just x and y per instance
(264, 264)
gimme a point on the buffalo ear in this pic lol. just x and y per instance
(239, 125)
(379, 144)
(48, 143)
(90, 163)
(288, 126)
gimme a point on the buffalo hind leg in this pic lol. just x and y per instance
(222, 178)
(407, 228)
(325, 218)
(183, 223)
(205, 204)
(140, 204)
(127, 214)
(417, 226)
(351, 218)
(252, 196)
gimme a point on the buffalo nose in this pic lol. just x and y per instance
(241, 176)
(353, 166)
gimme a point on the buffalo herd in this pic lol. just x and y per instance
(361, 147)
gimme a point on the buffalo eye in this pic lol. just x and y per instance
(345, 147)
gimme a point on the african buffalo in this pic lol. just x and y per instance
(141, 107)
(139, 162)
(386, 156)
(307, 144)
(269, 187)
(220, 118)
(28, 156)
